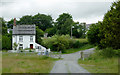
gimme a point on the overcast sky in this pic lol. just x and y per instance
(89, 11)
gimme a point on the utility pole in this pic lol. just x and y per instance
(71, 31)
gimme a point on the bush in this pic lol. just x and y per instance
(79, 44)
(110, 52)
(6, 43)
(117, 52)
(76, 44)
(57, 43)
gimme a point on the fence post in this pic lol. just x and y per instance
(82, 55)
(60, 54)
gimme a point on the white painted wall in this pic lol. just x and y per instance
(26, 41)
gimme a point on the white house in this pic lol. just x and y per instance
(24, 36)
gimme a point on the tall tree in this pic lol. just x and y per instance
(27, 19)
(4, 27)
(39, 34)
(110, 30)
(6, 43)
(77, 30)
(84, 29)
(64, 23)
(93, 33)
(6, 38)
(43, 21)
(10, 23)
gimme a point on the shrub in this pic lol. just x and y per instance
(79, 44)
(6, 43)
(117, 52)
(57, 43)
(108, 52)
(76, 44)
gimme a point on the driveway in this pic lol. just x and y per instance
(70, 63)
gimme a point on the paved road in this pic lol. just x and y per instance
(70, 63)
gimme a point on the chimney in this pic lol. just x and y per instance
(14, 21)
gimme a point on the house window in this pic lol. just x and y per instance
(20, 46)
(31, 38)
(21, 38)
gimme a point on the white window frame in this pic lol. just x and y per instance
(31, 38)
(21, 38)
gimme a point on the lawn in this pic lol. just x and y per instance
(82, 40)
(21, 63)
(99, 64)
(73, 50)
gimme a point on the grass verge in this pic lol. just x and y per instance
(73, 50)
(99, 64)
(15, 63)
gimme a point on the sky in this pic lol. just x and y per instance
(89, 11)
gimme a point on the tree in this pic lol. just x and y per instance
(39, 34)
(64, 23)
(83, 29)
(93, 33)
(27, 19)
(43, 21)
(77, 30)
(51, 31)
(4, 27)
(10, 23)
(110, 29)
(6, 43)
(6, 38)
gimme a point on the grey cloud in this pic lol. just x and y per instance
(79, 10)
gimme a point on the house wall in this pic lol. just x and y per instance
(26, 41)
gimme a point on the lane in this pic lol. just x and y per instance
(70, 63)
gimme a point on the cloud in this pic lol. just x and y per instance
(82, 10)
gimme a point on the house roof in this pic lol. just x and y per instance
(24, 29)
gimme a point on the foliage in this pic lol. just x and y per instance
(51, 31)
(42, 21)
(57, 43)
(77, 30)
(83, 29)
(10, 23)
(109, 52)
(110, 29)
(93, 33)
(15, 45)
(4, 27)
(39, 34)
(27, 19)
(64, 23)
(6, 38)
(6, 43)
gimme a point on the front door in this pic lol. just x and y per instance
(31, 46)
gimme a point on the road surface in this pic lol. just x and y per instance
(69, 64)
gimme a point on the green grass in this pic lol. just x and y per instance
(82, 40)
(99, 64)
(67, 51)
(21, 63)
